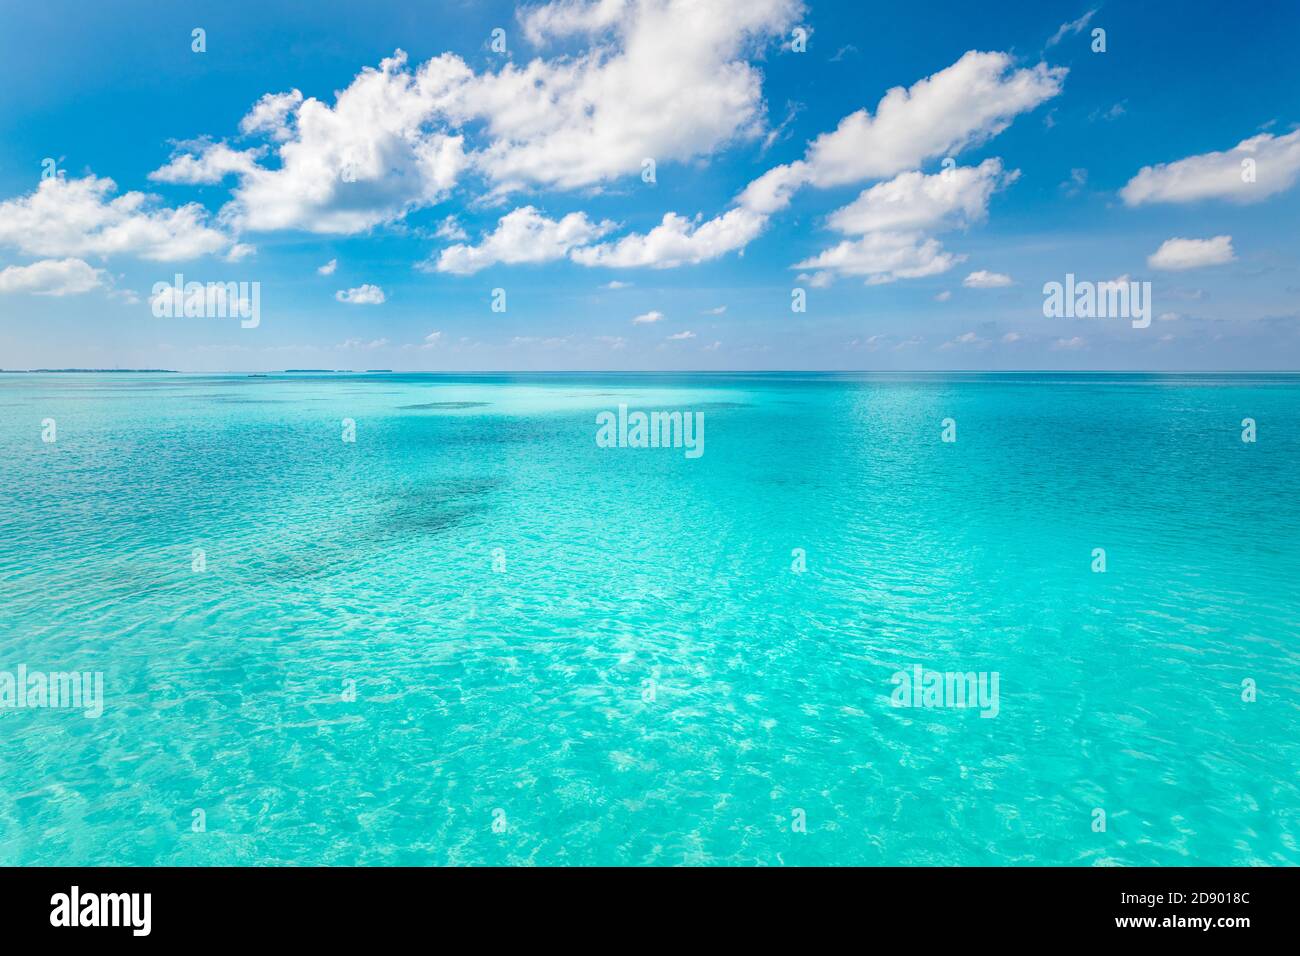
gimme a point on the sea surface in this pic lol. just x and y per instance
(472, 636)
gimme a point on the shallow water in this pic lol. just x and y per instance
(520, 695)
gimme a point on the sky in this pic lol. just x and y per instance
(648, 184)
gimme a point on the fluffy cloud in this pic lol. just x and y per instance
(76, 217)
(912, 200)
(646, 318)
(328, 268)
(1176, 255)
(271, 115)
(983, 279)
(677, 241)
(1276, 161)
(371, 158)
(52, 277)
(208, 163)
(960, 106)
(362, 295)
(884, 257)
(663, 79)
(524, 235)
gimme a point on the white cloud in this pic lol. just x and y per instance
(523, 235)
(208, 163)
(884, 257)
(451, 230)
(715, 311)
(240, 251)
(56, 277)
(669, 80)
(1011, 338)
(960, 106)
(912, 200)
(647, 318)
(362, 295)
(362, 344)
(772, 191)
(1069, 345)
(943, 296)
(663, 79)
(1219, 175)
(676, 241)
(271, 115)
(983, 279)
(568, 18)
(76, 217)
(615, 284)
(328, 268)
(431, 340)
(1178, 254)
(681, 336)
(1074, 26)
(818, 280)
(371, 158)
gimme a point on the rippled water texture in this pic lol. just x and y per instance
(520, 695)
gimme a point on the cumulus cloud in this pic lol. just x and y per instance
(272, 115)
(57, 277)
(362, 295)
(451, 230)
(208, 163)
(818, 280)
(328, 268)
(647, 318)
(372, 157)
(681, 336)
(677, 241)
(959, 107)
(912, 200)
(1178, 254)
(524, 235)
(983, 279)
(1222, 175)
(884, 257)
(664, 79)
(77, 217)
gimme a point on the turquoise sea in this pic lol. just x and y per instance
(357, 675)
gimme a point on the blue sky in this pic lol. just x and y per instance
(919, 171)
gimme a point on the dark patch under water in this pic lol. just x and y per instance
(447, 405)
